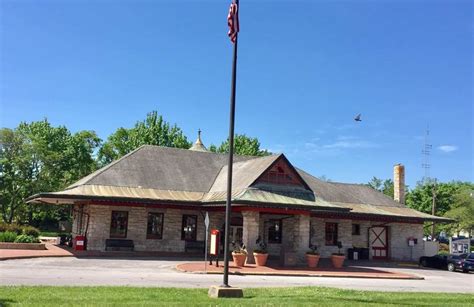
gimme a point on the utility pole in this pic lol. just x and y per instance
(433, 209)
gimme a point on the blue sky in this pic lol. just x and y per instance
(305, 69)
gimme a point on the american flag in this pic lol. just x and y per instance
(233, 21)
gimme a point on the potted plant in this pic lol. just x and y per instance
(260, 254)
(239, 254)
(337, 259)
(312, 256)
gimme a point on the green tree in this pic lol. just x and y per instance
(154, 130)
(243, 145)
(462, 210)
(36, 157)
(384, 186)
(446, 199)
(421, 197)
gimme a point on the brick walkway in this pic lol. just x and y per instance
(62, 251)
(249, 269)
(50, 251)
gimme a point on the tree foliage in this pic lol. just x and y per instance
(462, 210)
(243, 145)
(448, 198)
(421, 197)
(36, 157)
(384, 186)
(154, 130)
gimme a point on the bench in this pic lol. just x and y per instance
(194, 246)
(118, 245)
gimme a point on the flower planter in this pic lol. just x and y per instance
(338, 260)
(312, 260)
(30, 246)
(239, 259)
(260, 259)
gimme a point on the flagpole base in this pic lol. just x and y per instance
(222, 291)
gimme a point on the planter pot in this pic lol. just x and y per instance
(260, 259)
(312, 260)
(239, 259)
(337, 261)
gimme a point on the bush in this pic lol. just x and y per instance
(4, 227)
(7, 236)
(31, 231)
(26, 239)
(18, 229)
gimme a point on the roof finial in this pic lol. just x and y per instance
(198, 145)
(199, 136)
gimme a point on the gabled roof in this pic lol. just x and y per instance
(154, 174)
(347, 192)
(363, 200)
(244, 173)
(161, 168)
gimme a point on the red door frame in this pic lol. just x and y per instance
(377, 237)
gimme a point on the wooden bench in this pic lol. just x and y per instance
(194, 246)
(118, 245)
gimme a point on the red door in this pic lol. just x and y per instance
(379, 242)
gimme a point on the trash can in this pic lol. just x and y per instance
(79, 243)
(355, 255)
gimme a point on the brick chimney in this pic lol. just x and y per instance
(399, 183)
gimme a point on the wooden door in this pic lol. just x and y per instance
(379, 242)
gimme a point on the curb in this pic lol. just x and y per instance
(404, 277)
(33, 257)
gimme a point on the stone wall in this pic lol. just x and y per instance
(398, 246)
(361, 240)
(99, 227)
(398, 233)
(296, 231)
(318, 238)
(288, 238)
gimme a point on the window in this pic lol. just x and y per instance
(189, 228)
(331, 233)
(355, 229)
(274, 231)
(154, 229)
(118, 224)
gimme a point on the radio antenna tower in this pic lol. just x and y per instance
(426, 156)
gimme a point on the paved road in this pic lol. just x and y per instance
(162, 273)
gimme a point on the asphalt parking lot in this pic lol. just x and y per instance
(72, 271)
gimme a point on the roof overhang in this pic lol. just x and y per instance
(368, 216)
(254, 204)
(54, 199)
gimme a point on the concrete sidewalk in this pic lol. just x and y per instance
(252, 269)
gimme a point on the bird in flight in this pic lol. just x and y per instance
(357, 118)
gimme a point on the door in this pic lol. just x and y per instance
(379, 242)
(236, 234)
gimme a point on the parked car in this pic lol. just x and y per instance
(436, 261)
(463, 262)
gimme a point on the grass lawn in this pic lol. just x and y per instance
(116, 296)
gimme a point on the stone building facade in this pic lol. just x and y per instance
(157, 198)
(298, 231)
